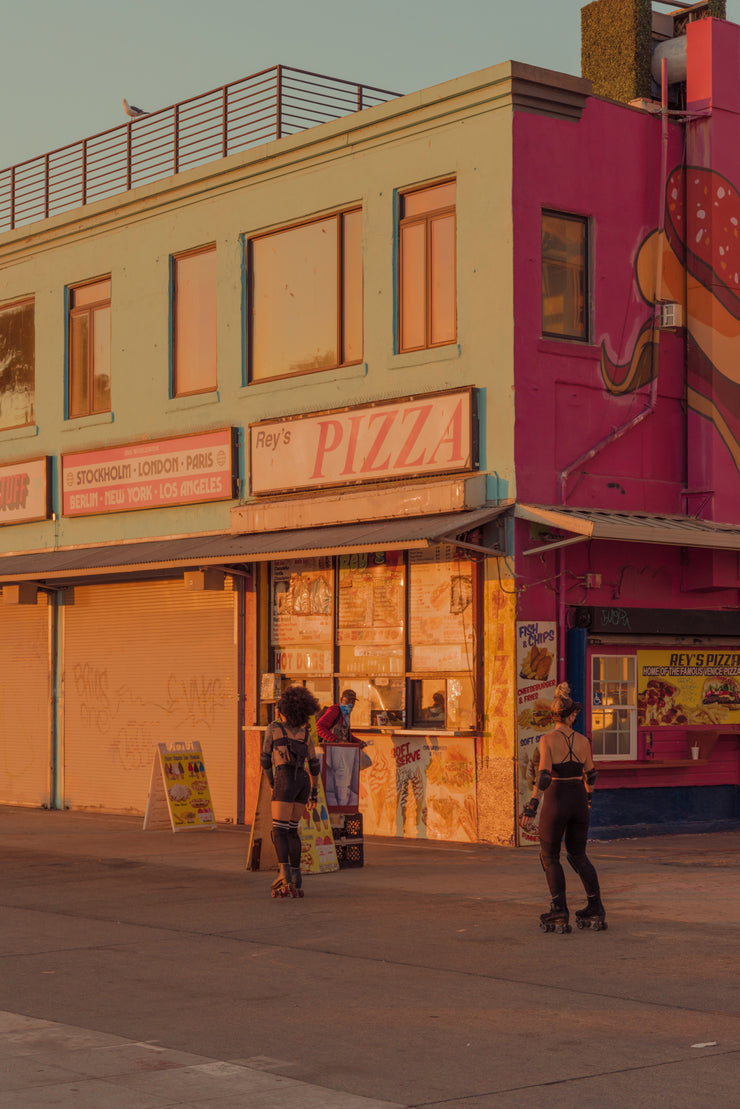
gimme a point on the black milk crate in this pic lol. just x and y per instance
(353, 825)
(350, 853)
(348, 841)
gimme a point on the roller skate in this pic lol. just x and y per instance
(297, 881)
(283, 884)
(593, 916)
(556, 920)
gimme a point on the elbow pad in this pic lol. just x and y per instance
(265, 761)
(314, 766)
(591, 775)
(544, 779)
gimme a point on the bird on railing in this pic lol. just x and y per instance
(133, 111)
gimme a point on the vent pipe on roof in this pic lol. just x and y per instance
(674, 52)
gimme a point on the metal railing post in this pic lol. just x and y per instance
(128, 156)
(46, 186)
(279, 104)
(225, 119)
(177, 138)
(84, 171)
(12, 198)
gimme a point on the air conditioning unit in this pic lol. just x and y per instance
(671, 316)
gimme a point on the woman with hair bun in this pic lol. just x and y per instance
(566, 779)
(286, 748)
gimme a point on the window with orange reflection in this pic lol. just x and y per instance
(306, 297)
(89, 377)
(194, 366)
(17, 364)
(564, 275)
(427, 277)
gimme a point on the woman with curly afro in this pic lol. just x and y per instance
(286, 748)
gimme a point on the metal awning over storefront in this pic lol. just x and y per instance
(581, 524)
(52, 566)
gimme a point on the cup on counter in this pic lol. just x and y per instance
(695, 752)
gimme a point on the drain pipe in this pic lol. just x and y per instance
(618, 432)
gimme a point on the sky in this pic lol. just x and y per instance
(67, 64)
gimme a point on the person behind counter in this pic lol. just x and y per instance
(333, 724)
(566, 779)
(286, 748)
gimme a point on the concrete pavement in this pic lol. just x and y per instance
(145, 969)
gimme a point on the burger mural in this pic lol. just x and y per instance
(693, 260)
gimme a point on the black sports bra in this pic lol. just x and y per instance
(570, 767)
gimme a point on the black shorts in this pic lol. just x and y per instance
(291, 787)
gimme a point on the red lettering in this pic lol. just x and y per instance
(349, 462)
(324, 446)
(387, 421)
(422, 417)
(454, 439)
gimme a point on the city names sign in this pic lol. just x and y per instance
(185, 470)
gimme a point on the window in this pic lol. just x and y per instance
(17, 364)
(306, 297)
(89, 349)
(194, 368)
(427, 315)
(397, 628)
(614, 706)
(564, 276)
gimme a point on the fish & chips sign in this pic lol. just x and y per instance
(422, 435)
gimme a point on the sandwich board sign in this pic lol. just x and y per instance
(179, 795)
(318, 853)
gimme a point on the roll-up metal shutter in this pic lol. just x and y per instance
(147, 663)
(25, 733)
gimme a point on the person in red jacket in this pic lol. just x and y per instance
(333, 723)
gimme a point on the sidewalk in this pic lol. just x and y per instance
(146, 969)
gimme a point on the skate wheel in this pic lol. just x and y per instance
(300, 893)
(581, 924)
(600, 926)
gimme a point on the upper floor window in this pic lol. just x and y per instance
(427, 314)
(89, 349)
(564, 276)
(17, 364)
(306, 297)
(194, 367)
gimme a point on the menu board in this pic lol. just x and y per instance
(440, 606)
(179, 795)
(371, 599)
(688, 687)
(302, 608)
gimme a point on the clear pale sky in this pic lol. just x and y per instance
(67, 63)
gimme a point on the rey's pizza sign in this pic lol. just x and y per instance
(428, 434)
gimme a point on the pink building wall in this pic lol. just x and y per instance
(665, 225)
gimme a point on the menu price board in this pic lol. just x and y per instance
(371, 599)
(179, 795)
(302, 602)
(440, 598)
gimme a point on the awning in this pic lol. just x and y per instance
(627, 527)
(47, 567)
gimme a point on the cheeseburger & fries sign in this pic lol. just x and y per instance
(422, 435)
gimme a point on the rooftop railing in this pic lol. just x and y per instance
(268, 105)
